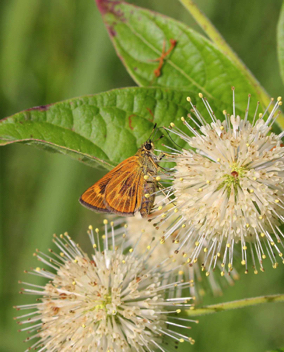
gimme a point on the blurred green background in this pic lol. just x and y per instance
(54, 50)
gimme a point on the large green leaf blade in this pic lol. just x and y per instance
(280, 41)
(100, 130)
(195, 63)
(207, 26)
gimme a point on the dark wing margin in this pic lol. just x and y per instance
(94, 197)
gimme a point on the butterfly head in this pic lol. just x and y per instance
(148, 146)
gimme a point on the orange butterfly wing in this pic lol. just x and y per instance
(93, 197)
(107, 194)
(125, 191)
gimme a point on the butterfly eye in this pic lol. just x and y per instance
(148, 146)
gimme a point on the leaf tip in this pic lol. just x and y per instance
(107, 6)
(102, 6)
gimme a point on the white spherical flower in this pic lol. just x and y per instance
(147, 237)
(228, 188)
(107, 302)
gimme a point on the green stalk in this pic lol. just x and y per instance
(220, 42)
(221, 307)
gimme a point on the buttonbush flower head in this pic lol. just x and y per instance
(139, 230)
(228, 188)
(107, 302)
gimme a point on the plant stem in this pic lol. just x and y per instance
(220, 42)
(247, 302)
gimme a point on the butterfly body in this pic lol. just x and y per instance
(126, 189)
(148, 201)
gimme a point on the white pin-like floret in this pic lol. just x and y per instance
(232, 189)
(148, 238)
(108, 301)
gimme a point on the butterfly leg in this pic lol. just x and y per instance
(161, 156)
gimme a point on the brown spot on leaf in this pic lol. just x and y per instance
(130, 121)
(151, 113)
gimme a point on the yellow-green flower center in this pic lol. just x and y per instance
(232, 179)
(102, 304)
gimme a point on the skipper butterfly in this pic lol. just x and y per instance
(129, 187)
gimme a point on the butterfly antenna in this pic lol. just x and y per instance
(153, 130)
(171, 138)
(156, 140)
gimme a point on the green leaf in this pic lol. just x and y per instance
(195, 64)
(101, 129)
(280, 41)
(221, 44)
